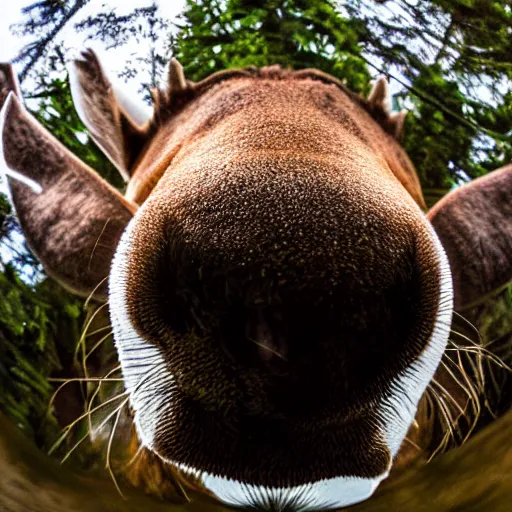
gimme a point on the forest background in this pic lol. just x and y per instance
(449, 63)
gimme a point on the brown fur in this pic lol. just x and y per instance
(174, 102)
(475, 228)
(74, 225)
(108, 124)
(278, 214)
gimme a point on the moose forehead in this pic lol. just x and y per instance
(275, 115)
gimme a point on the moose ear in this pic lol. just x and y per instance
(474, 224)
(379, 105)
(71, 218)
(177, 80)
(115, 123)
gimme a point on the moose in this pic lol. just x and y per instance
(280, 300)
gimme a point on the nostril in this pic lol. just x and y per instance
(253, 335)
(264, 328)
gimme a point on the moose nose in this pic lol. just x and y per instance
(292, 324)
(263, 266)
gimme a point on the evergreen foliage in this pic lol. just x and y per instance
(38, 326)
(292, 33)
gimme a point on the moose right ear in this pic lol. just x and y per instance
(474, 224)
(119, 126)
(71, 218)
(379, 97)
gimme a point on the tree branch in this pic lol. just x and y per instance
(35, 50)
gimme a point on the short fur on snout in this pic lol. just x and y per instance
(279, 299)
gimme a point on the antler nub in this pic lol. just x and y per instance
(379, 96)
(379, 105)
(177, 80)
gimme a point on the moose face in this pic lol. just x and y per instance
(279, 300)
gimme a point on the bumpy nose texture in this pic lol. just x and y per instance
(239, 256)
(276, 272)
(253, 258)
(285, 212)
(283, 309)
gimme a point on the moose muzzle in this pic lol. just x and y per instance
(277, 327)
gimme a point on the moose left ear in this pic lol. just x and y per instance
(474, 224)
(71, 218)
(115, 123)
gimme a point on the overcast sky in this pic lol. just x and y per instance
(10, 12)
(10, 45)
